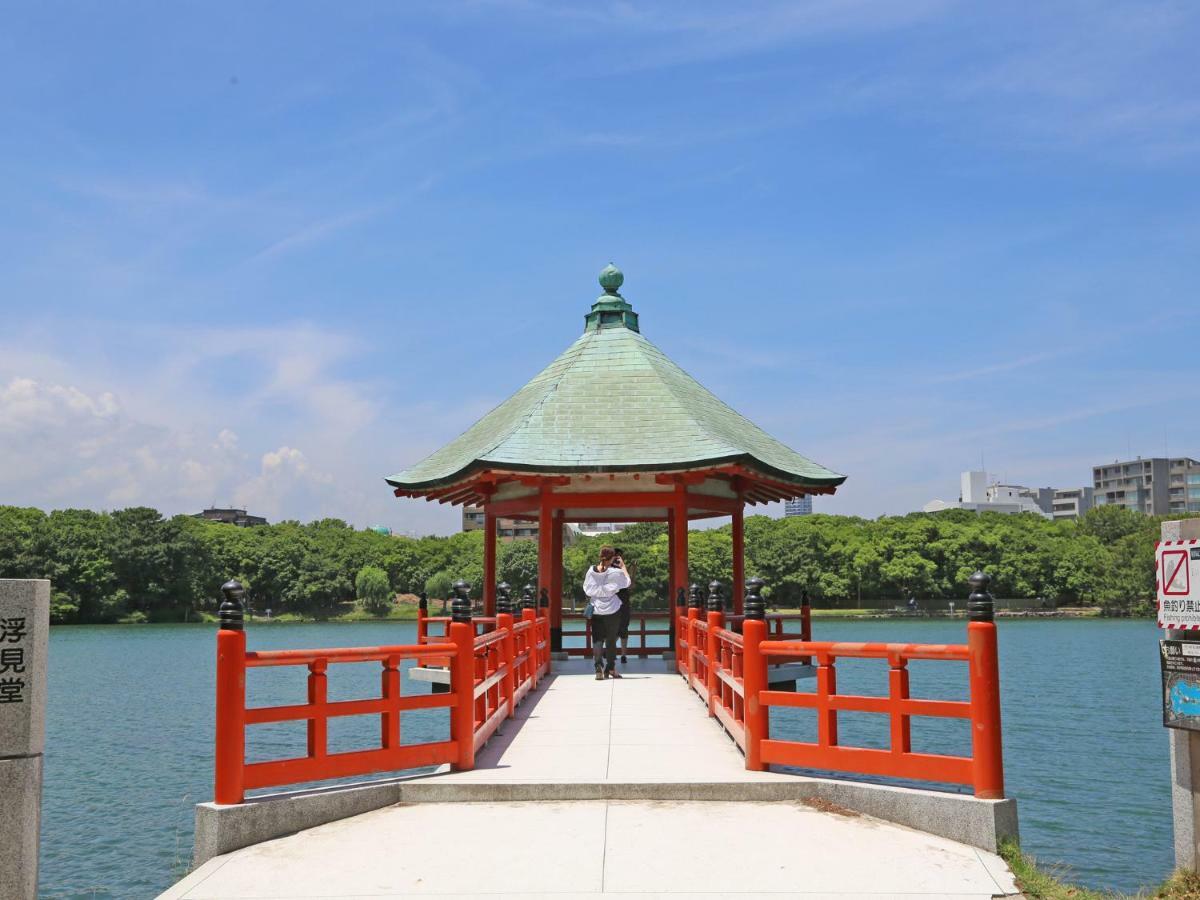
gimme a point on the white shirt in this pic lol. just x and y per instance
(602, 588)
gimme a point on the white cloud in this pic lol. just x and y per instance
(27, 406)
(286, 481)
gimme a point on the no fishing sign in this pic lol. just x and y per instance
(1177, 572)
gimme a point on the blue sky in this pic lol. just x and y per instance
(269, 253)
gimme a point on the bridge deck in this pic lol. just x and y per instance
(636, 729)
(645, 729)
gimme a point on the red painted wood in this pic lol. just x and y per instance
(556, 571)
(545, 543)
(489, 562)
(739, 558)
(230, 755)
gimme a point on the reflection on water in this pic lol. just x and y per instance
(129, 743)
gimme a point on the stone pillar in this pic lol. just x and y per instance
(24, 637)
(1185, 745)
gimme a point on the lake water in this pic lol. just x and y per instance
(129, 743)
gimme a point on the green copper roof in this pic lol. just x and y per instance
(566, 419)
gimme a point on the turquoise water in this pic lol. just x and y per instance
(129, 743)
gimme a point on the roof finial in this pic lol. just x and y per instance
(611, 279)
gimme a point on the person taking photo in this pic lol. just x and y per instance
(602, 585)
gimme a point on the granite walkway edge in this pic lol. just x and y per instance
(957, 817)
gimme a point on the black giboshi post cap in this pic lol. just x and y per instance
(423, 602)
(503, 601)
(230, 614)
(527, 601)
(681, 598)
(755, 607)
(980, 605)
(460, 607)
(544, 598)
(716, 603)
(695, 597)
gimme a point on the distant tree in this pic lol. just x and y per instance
(76, 559)
(133, 564)
(373, 590)
(1109, 523)
(518, 564)
(22, 542)
(439, 586)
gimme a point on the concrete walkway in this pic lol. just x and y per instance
(646, 729)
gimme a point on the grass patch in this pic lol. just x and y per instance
(396, 613)
(1037, 883)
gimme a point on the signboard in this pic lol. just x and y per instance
(1181, 684)
(1177, 574)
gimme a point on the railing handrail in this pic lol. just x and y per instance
(731, 673)
(637, 614)
(483, 641)
(863, 650)
(489, 674)
(730, 637)
(264, 658)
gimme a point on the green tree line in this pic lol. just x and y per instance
(135, 565)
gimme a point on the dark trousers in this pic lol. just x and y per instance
(604, 637)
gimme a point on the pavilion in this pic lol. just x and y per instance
(674, 453)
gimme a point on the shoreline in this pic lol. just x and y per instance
(410, 615)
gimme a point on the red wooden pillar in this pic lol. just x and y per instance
(679, 535)
(489, 562)
(546, 519)
(556, 574)
(739, 559)
(672, 590)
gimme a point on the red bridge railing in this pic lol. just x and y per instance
(489, 675)
(641, 629)
(730, 672)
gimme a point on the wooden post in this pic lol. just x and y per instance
(318, 693)
(984, 673)
(530, 615)
(504, 623)
(422, 616)
(544, 624)
(462, 714)
(489, 562)
(739, 557)
(389, 722)
(716, 619)
(695, 601)
(754, 676)
(231, 698)
(827, 718)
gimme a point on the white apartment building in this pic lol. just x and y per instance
(976, 494)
